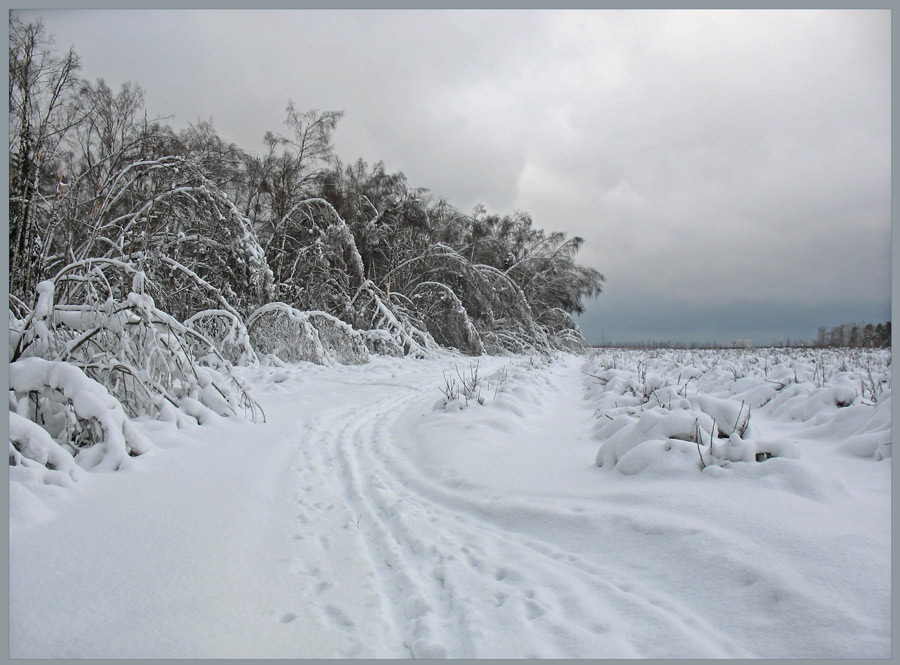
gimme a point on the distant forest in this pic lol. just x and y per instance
(850, 335)
(855, 335)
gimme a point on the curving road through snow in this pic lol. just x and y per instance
(364, 519)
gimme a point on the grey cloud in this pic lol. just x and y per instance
(673, 320)
(706, 157)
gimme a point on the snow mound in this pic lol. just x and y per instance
(80, 418)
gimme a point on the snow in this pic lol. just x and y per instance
(88, 400)
(371, 516)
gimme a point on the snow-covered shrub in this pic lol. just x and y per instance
(473, 306)
(470, 386)
(96, 315)
(227, 331)
(446, 319)
(347, 344)
(458, 390)
(77, 412)
(730, 416)
(511, 338)
(313, 254)
(293, 335)
(562, 331)
(568, 339)
(871, 438)
(651, 405)
(690, 432)
(505, 342)
(32, 447)
(167, 214)
(376, 310)
(624, 434)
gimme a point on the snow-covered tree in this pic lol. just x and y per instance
(41, 113)
(145, 264)
(97, 315)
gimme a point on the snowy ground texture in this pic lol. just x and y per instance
(670, 504)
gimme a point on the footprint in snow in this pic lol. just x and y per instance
(338, 616)
(533, 610)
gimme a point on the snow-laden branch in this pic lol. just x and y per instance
(143, 355)
(314, 336)
(409, 337)
(346, 236)
(469, 333)
(117, 439)
(30, 445)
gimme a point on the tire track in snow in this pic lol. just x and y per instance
(390, 550)
(328, 562)
(450, 565)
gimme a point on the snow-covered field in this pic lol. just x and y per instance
(673, 504)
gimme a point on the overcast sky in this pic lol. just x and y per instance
(729, 171)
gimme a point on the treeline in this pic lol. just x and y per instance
(153, 260)
(660, 344)
(92, 179)
(851, 335)
(855, 335)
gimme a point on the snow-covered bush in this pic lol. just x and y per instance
(463, 387)
(314, 258)
(164, 213)
(513, 387)
(78, 414)
(390, 313)
(96, 315)
(446, 319)
(31, 447)
(562, 331)
(227, 331)
(508, 340)
(293, 335)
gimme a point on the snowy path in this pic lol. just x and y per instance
(361, 522)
